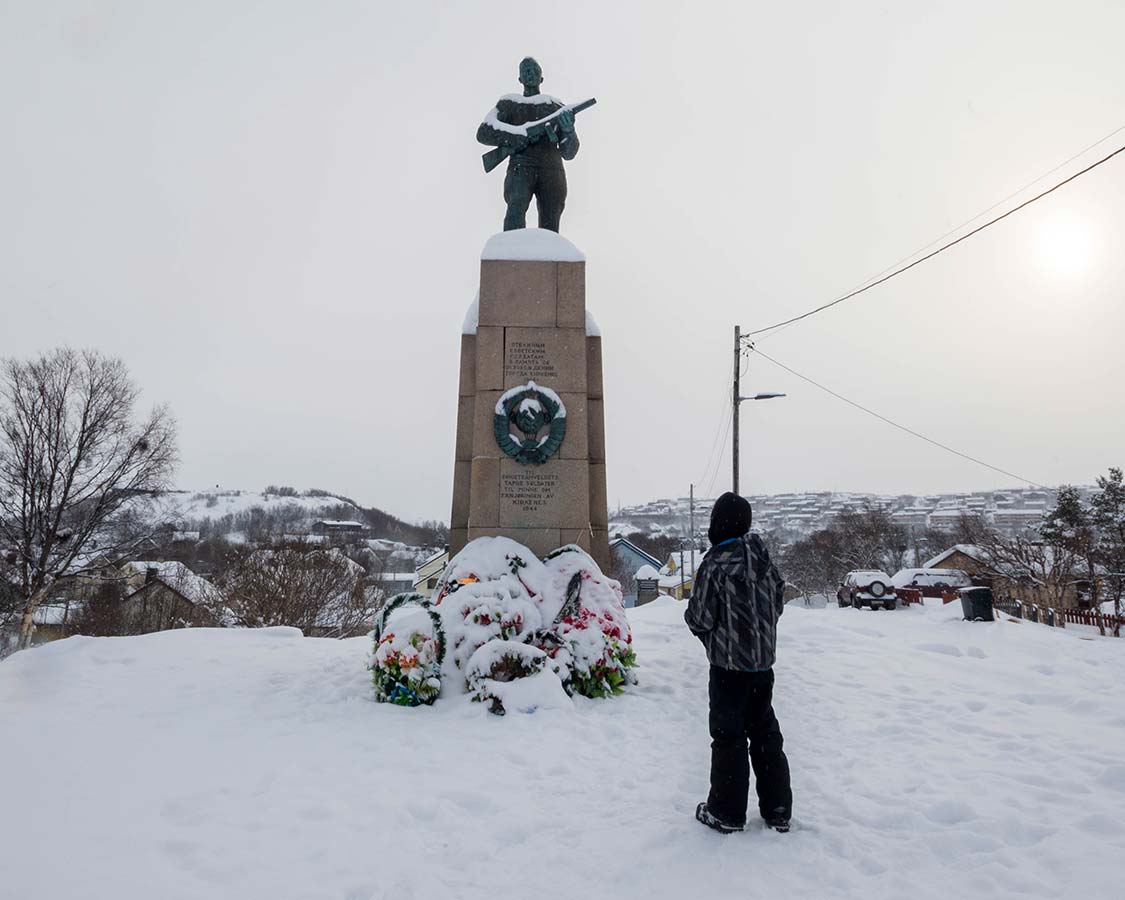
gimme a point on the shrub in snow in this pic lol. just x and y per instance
(500, 662)
(409, 651)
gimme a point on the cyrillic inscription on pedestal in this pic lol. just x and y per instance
(555, 357)
(528, 359)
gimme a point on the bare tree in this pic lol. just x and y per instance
(872, 540)
(1028, 563)
(71, 457)
(318, 591)
(103, 613)
(816, 564)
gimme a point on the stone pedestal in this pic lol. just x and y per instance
(530, 325)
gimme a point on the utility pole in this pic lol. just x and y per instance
(691, 519)
(736, 399)
(735, 403)
(683, 577)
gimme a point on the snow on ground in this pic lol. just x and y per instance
(931, 758)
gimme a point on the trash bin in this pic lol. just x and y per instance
(976, 604)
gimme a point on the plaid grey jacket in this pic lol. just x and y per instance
(736, 600)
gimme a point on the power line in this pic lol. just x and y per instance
(724, 427)
(969, 221)
(720, 445)
(894, 424)
(719, 462)
(714, 445)
(941, 249)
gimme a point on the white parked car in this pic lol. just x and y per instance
(867, 587)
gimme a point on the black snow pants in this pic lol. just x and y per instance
(741, 711)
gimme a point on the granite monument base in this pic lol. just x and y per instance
(530, 329)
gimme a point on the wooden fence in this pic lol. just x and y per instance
(1047, 615)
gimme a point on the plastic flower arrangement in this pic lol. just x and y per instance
(591, 631)
(406, 663)
(484, 611)
(498, 663)
(522, 632)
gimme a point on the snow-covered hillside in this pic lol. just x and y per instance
(931, 758)
(202, 505)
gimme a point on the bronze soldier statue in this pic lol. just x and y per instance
(536, 133)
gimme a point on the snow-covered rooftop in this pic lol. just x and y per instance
(179, 577)
(970, 550)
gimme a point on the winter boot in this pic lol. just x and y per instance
(778, 820)
(704, 815)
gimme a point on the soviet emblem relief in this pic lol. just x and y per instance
(538, 417)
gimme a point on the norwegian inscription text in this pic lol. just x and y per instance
(529, 490)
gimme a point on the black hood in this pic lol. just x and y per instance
(730, 518)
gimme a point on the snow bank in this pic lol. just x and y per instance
(531, 244)
(229, 763)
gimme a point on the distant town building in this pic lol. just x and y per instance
(1016, 519)
(163, 595)
(627, 558)
(428, 574)
(337, 526)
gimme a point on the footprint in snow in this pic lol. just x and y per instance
(944, 649)
(950, 812)
(1113, 777)
(1099, 824)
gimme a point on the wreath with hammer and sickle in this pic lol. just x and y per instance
(531, 410)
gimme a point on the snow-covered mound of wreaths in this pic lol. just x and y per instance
(501, 615)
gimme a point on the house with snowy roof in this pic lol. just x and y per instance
(627, 559)
(339, 527)
(966, 557)
(167, 594)
(428, 574)
(1040, 578)
(678, 573)
(51, 620)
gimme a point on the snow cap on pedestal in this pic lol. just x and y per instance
(531, 244)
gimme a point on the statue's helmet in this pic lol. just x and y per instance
(531, 73)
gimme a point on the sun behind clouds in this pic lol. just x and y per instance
(1066, 245)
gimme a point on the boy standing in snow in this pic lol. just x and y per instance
(735, 602)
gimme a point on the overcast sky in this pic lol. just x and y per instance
(273, 212)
